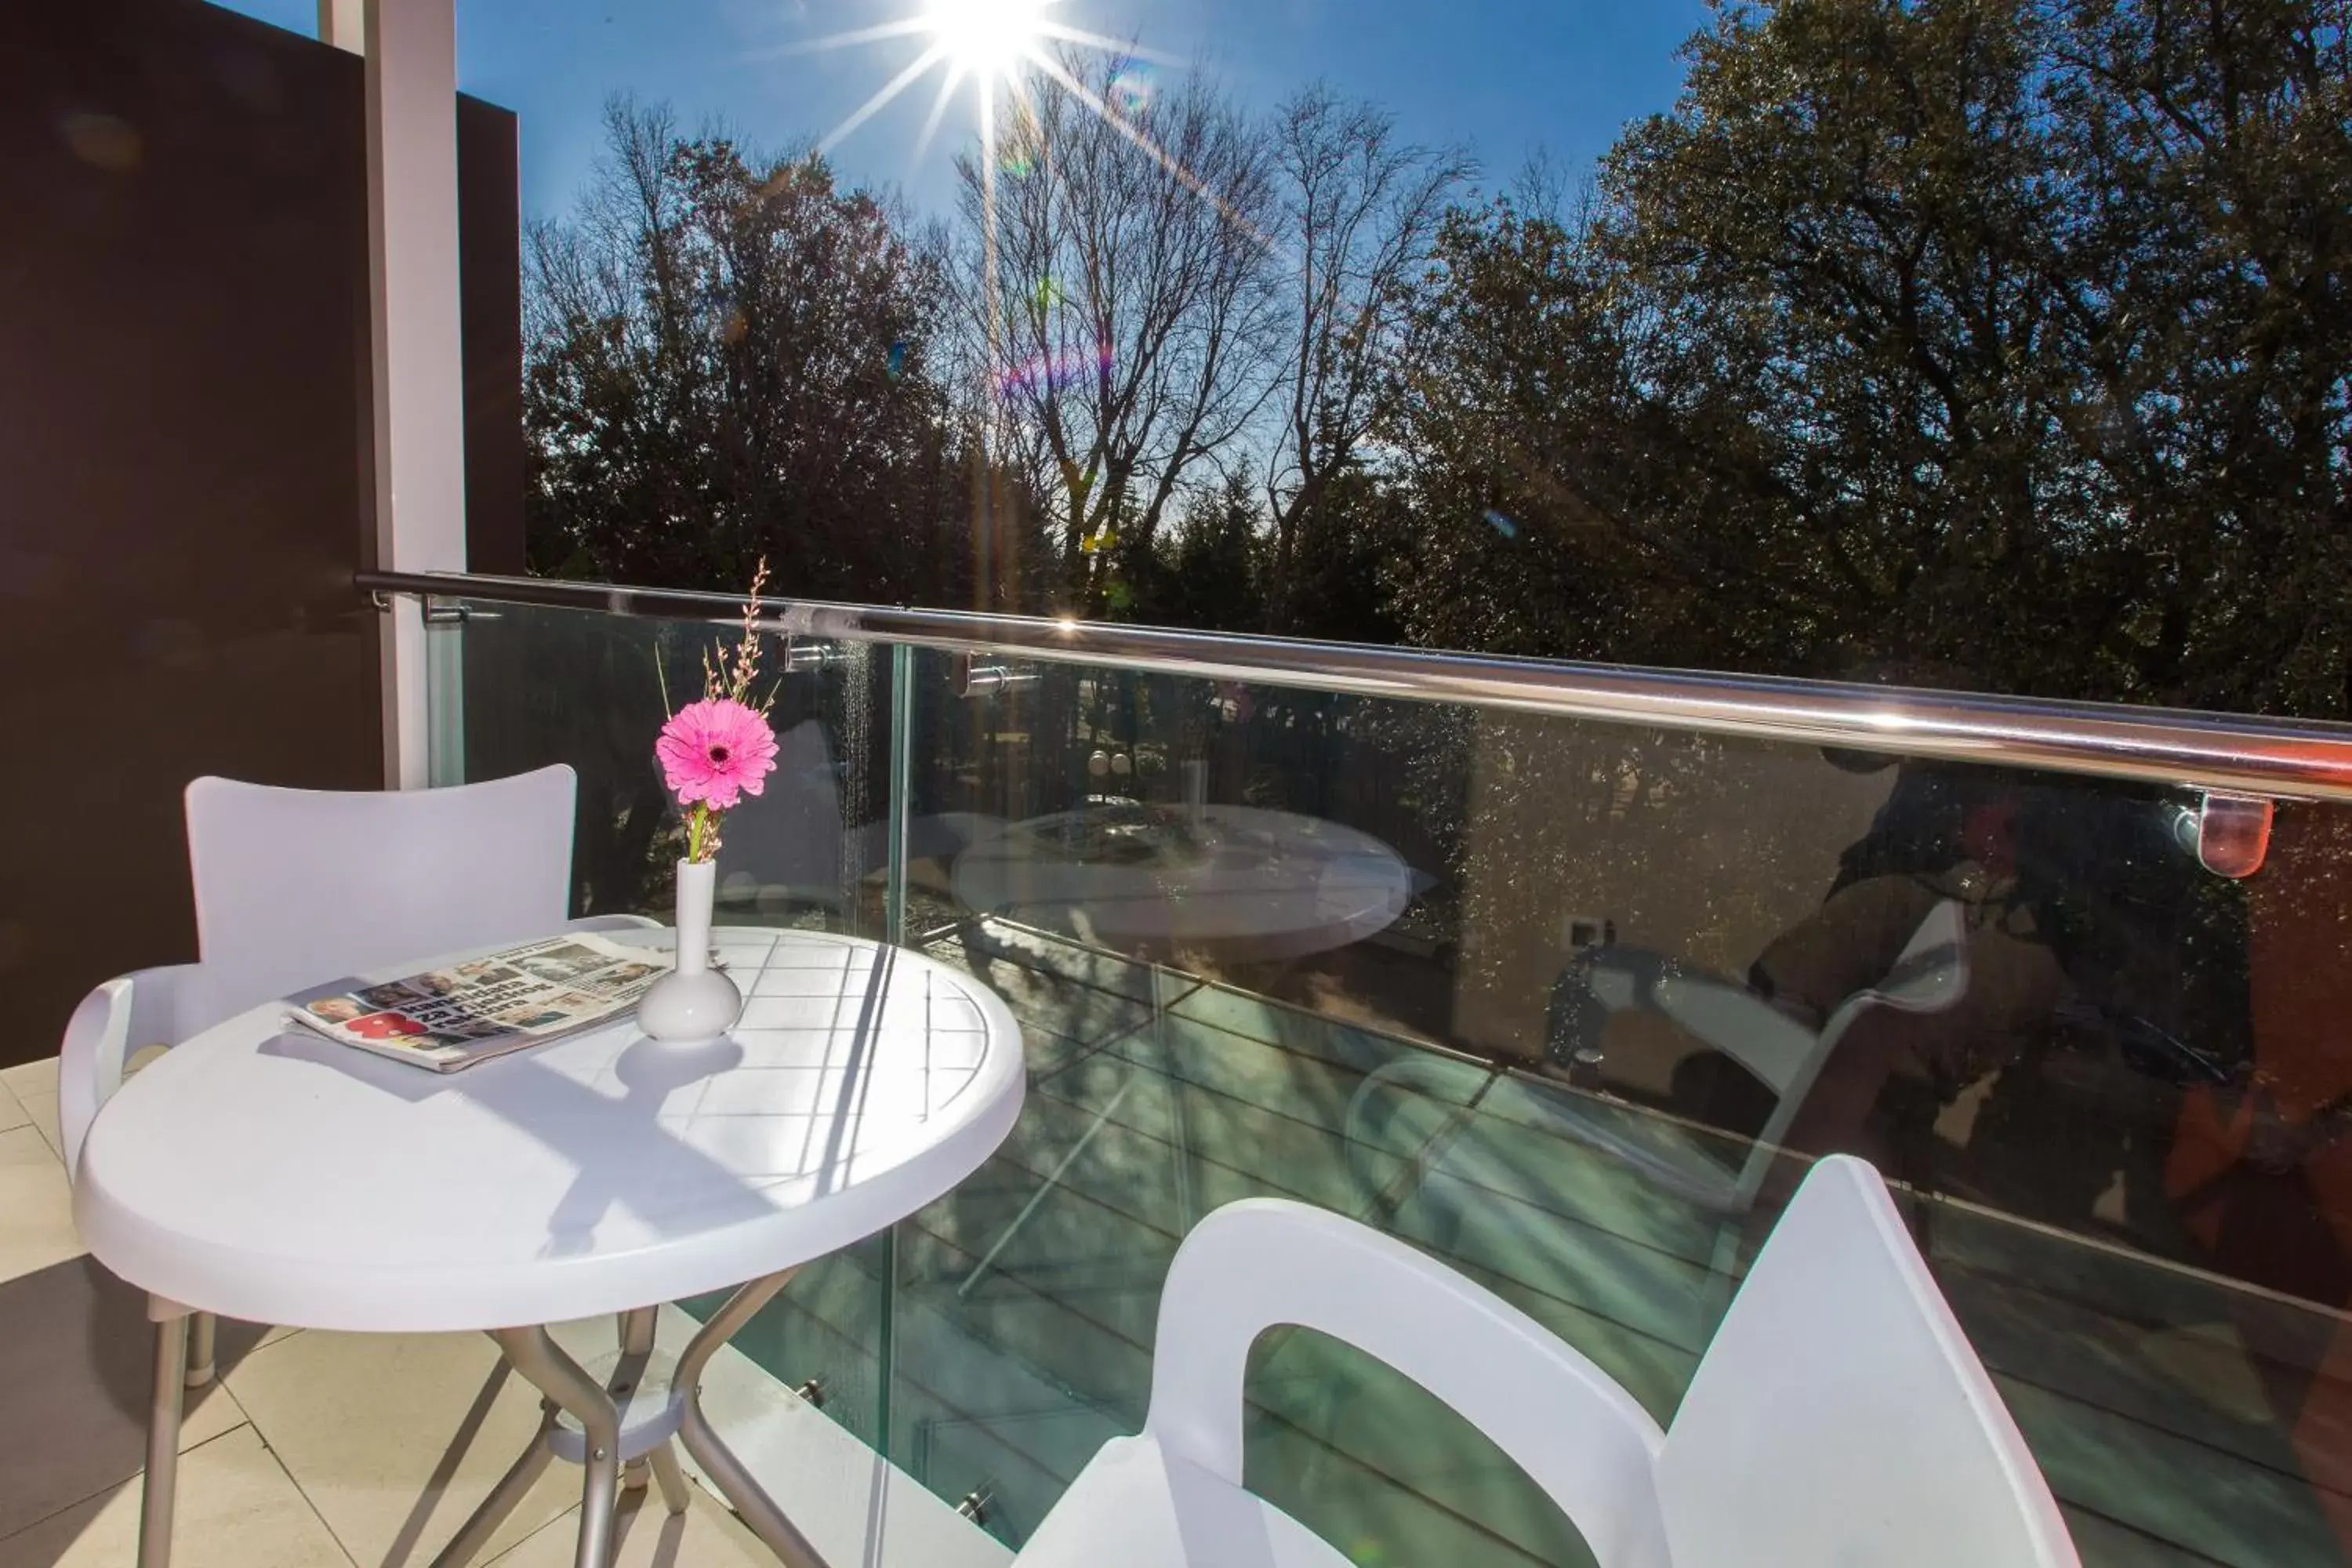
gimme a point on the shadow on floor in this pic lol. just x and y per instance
(75, 1348)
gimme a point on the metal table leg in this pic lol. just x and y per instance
(534, 1353)
(751, 1500)
(671, 1478)
(158, 1489)
(636, 1349)
(570, 1390)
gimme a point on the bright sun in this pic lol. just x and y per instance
(1000, 46)
(1004, 49)
(987, 38)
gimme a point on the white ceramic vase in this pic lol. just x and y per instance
(693, 1004)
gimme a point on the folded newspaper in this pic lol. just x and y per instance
(450, 1019)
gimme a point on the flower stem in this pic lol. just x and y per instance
(694, 833)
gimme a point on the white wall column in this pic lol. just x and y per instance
(343, 24)
(418, 349)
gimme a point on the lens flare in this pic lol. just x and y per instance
(1131, 90)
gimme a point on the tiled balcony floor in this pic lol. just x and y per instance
(313, 1450)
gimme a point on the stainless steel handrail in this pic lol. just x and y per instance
(2217, 752)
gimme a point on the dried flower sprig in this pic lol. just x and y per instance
(729, 676)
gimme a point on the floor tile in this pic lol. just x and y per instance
(34, 1086)
(76, 1353)
(12, 1110)
(35, 1206)
(41, 1115)
(855, 1506)
(237, 1509)
(705, 1536)
(395, 1437)
(31, 1077)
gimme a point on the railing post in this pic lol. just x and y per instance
(445, 656)
(902, 807)
(902, 789)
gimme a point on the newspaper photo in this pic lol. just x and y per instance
(446, 1019)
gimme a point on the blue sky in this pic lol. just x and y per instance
(1507, 77)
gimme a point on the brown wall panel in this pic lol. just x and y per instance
(182, 463)
(490, 220)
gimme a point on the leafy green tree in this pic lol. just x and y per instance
(1208, 572)
(1351, 551)
(2004, 335)
(731, 358)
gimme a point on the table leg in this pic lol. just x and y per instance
(636, 1331)
(751, 1500)
(158, 1491)
(534, 1353)
(671, 1477)
(660, 1463)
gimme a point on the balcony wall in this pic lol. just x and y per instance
(184, 437)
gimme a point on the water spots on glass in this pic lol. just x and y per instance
(1503, 525)
(102, 140)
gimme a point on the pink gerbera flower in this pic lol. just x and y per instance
(714, 751)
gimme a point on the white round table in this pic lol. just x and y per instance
(261, 1173)
(1274, 883)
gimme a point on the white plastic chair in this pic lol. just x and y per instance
(1838, 1420)
(1930, 975)
(294, 887)
(1408, 1105)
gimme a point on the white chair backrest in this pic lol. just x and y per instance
(1264, 1263)
(1930, 975)
(1775, 1050)
(1840, 1419)
(296, 887)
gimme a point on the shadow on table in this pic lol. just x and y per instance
(579, 1123)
